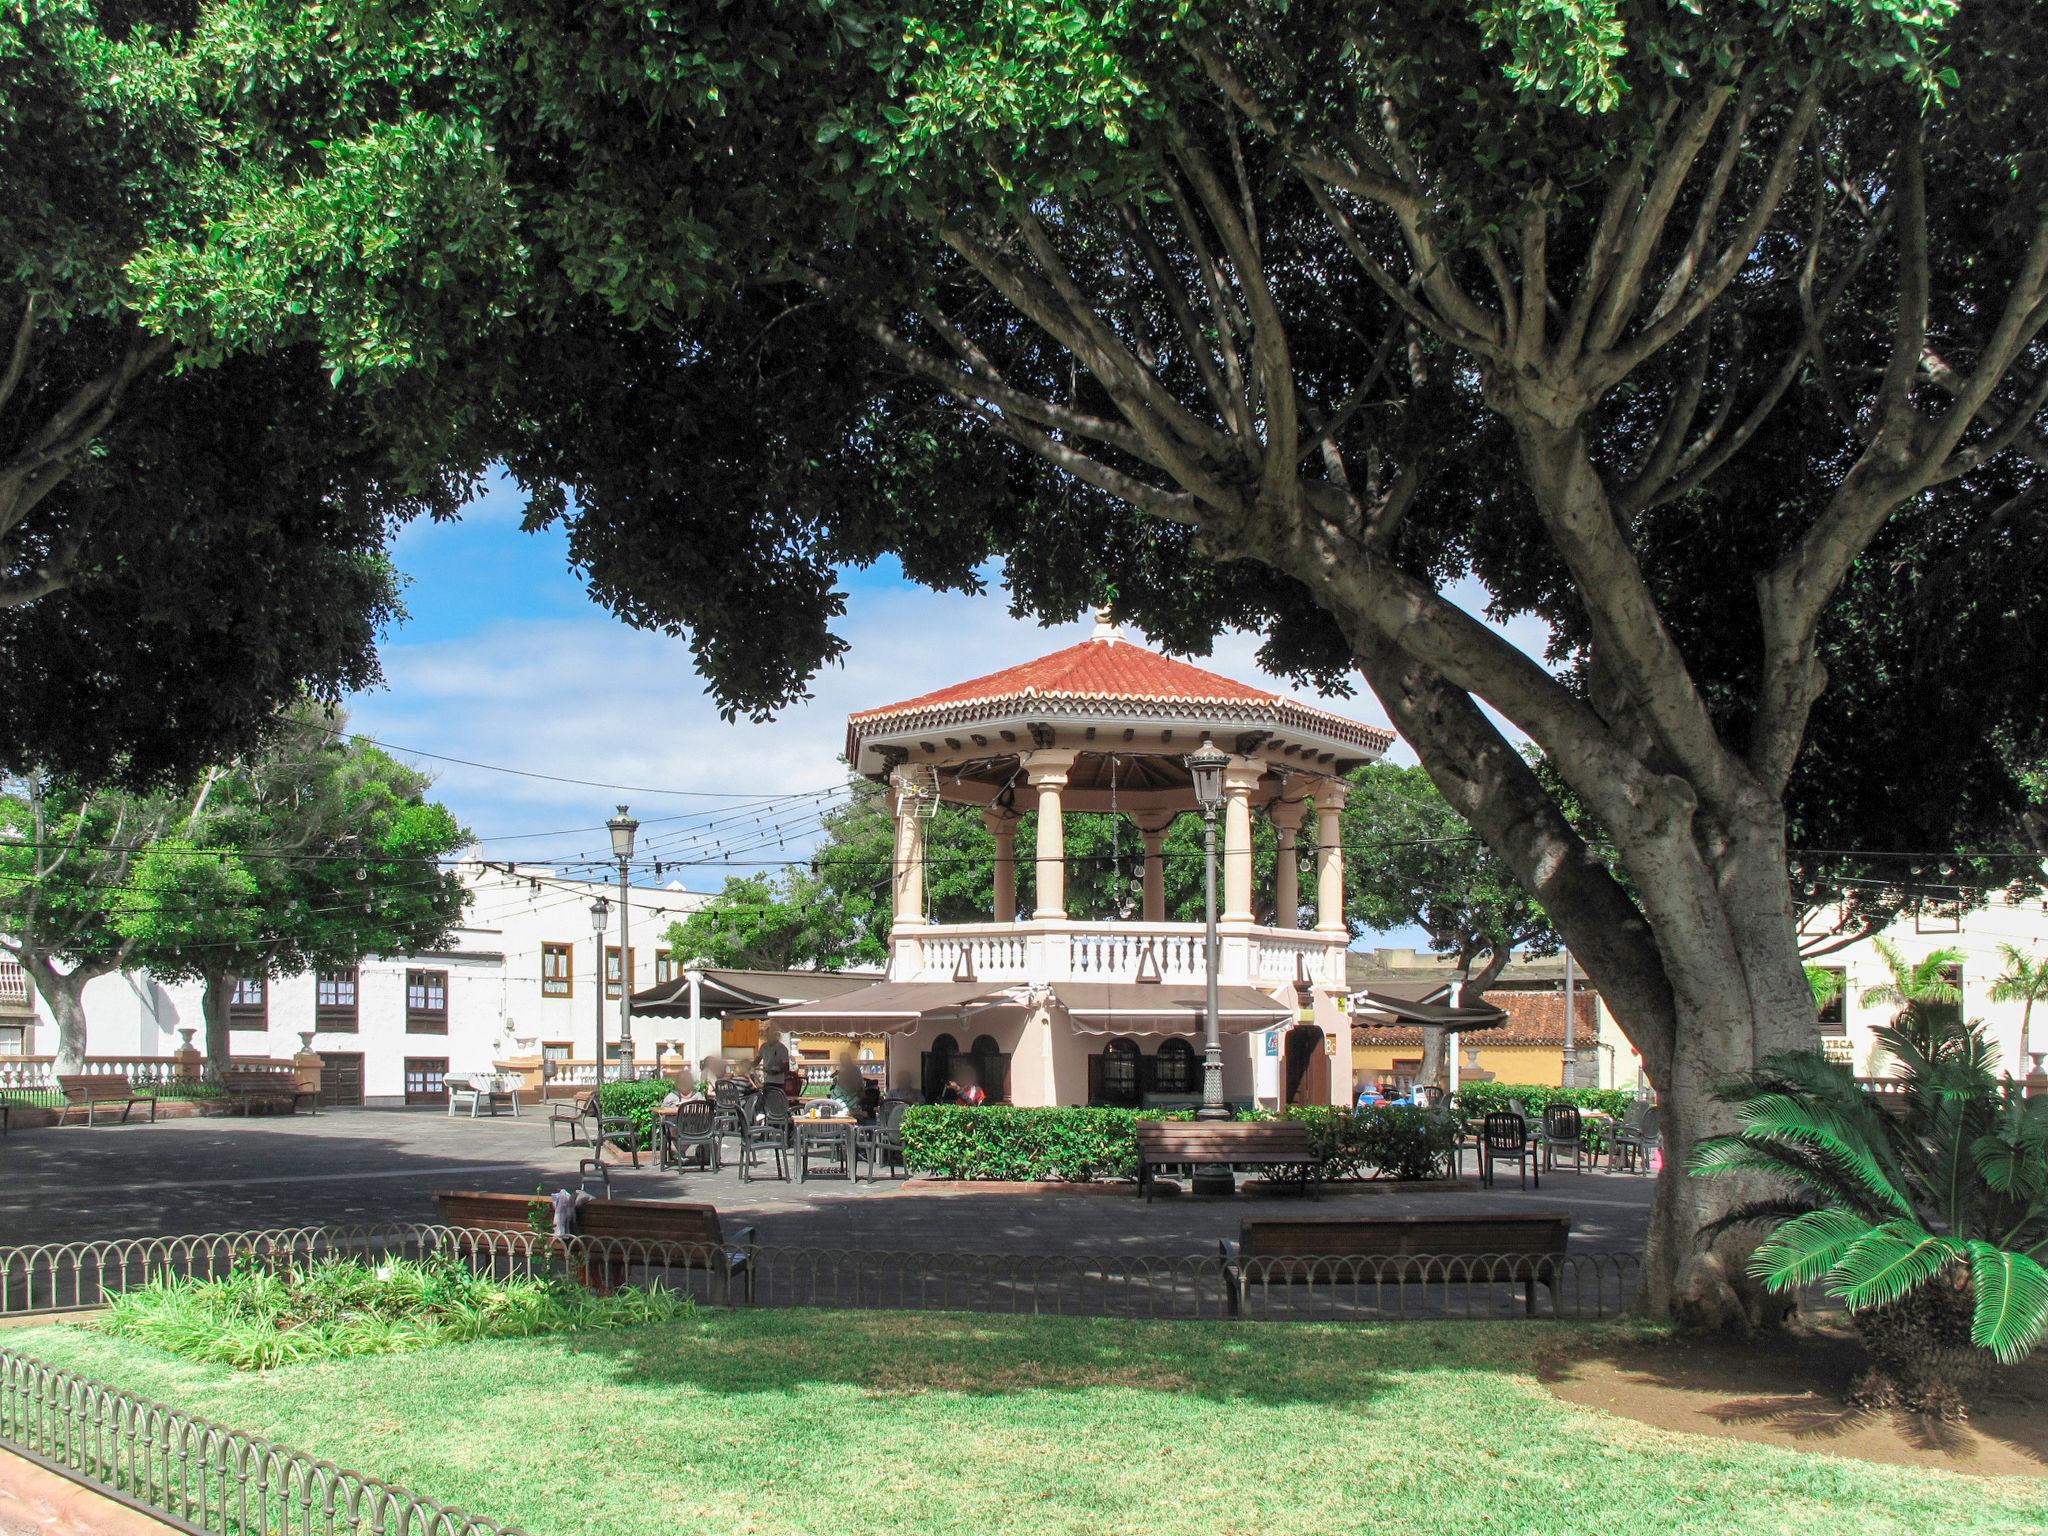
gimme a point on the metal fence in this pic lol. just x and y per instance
(57, 1278)
(197, 1475)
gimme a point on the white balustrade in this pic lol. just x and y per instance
(28, 1071)
(1065, 950)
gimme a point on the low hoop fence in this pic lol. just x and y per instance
(198, 1476)
(71, 1277)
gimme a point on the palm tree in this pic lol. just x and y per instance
(1916, 987)
(1927, 1214)
(2024, 981)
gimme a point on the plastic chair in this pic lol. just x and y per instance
(769, 1133)
(695, 1127)
(1504, 1138)
(1562, 1131)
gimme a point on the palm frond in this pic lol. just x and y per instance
(1780, 1117)
(2012, 1301)
(1806, 1248)
(1753, 1211)
(1723, 1155)
(1888, 1261)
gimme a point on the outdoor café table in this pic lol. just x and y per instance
(818, 1132)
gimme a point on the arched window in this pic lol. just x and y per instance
(1173, 1070)
(991, 1068)
(1120, 1073)
(937, 1068)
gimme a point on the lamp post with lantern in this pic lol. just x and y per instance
(600, 919)
(622, 827)
(1205, 768)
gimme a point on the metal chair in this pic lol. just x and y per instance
(1430, 1096)
(770, 1132)
(1504, 1138)
(572, 1113)
(882, 1141)
(1635, 1138)
(694, 1127)
(1562, 1131)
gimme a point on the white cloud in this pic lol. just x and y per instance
(583, 696)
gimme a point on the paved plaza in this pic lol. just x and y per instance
(355, 1166)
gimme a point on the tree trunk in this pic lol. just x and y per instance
(215, 994)
(63, 993)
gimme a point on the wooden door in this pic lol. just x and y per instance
(1308, 1069)
(341, 1078)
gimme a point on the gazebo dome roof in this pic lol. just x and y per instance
(1105, 681)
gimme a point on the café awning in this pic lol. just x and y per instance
(890, 1007)
(1439, 1015)
(1148, 1008)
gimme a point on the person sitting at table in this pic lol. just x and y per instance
(848, 1085)
(963, 1087)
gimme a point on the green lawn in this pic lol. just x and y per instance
(818, 1422)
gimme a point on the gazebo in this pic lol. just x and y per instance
(1057, 1010)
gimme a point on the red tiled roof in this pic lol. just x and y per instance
(1534, 1018)
(1112, 673)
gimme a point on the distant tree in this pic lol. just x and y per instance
(67, 859)
(1412, 861)
(1915, 987)
(315, 853)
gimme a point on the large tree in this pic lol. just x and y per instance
(317, 851)
(190, 536)
(1285, 317)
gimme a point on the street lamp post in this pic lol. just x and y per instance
(1205, 767)
(600, 919)
(622, 827)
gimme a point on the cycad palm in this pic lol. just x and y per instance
(1927, 1216)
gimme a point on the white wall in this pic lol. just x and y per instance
(493, 964)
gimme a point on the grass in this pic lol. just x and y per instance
(776, 1422)
(259, 1318)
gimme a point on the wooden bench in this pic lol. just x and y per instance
(1236, 1143)
(1520, 1247)
(92, 1089)
(661, 1234)
(245, 1090)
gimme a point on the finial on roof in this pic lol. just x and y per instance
(1106, 626)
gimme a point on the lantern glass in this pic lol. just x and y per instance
(600, 913)
(622, 828)
(1205, 767)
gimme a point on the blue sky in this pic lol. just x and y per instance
(504, 660)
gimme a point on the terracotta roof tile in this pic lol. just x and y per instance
(1110, 672)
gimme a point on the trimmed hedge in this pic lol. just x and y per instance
(637, 1102)
(951, 1141)
(1475, 1100)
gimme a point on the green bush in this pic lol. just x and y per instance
(636, 1102)
(1475, 1100)
(259, 1317)
(950, 1141)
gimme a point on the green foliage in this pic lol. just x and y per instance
(1943, 1191)
(636, 1101)
(258, 1318)
(946, 1141)
(312, 854)
(1410, 860)
(1825, 984)
(949, 1141)
(1473, 1101)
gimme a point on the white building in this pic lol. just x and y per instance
(1847, 1028)
(518, 978)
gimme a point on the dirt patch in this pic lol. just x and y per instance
(1790, 1392)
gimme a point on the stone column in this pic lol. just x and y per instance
(1330, 797)
(1286, 814)
(907, 888)
(1047, 772)
(1002, 826)
(1240, 781)
(1154, 834)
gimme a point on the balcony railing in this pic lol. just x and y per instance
(1092, 951)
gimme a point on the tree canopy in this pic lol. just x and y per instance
(1278, 316)
(190, 537)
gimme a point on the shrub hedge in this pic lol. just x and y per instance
(636, 1102)
(950, 1141)
(1474, 1100)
